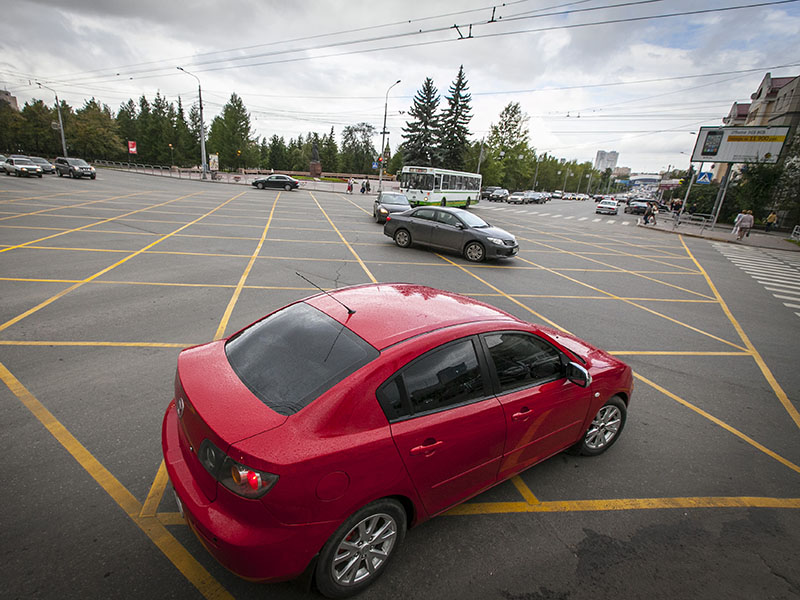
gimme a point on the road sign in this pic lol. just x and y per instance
(55, 125)
(374, 164)
(704, 177)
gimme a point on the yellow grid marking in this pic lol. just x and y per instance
(524, 490)
(765, 370)
(235, 297)
(674, 353)
(346, 243)
(91, 224)
(152, 527)
(485, 508)
(66, 291)
(97, 344)
(644, 308)
(77, 205)
(10, 200)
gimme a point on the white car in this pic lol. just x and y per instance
(516, 198)
(607, 207)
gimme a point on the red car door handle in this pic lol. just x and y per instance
(522, 415)
(427, 450)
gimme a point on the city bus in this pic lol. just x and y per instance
(442, 187)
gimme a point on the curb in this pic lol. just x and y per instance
(718, 239)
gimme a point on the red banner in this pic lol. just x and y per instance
(131, 147)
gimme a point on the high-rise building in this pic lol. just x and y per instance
(606, 160)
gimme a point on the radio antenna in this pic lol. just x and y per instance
(350, 311)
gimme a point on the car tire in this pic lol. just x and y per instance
(287, 187)
(94, 176)
(260, 185)
(60, 174)
(39, 175)
(605, 429)
(376, 217)
(372, 533)
(474, 252)
(402, 238)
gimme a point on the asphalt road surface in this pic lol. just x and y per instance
(104, 281)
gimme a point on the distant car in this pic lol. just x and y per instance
(499, 195)
(487, 191)
(636, 207)
(277, 181)
(535, 198)
(387, 203)
(74, 167)
(21, 167)
(607, 207)
(47, 167)
(516, 198)
(2, 160)
(450, 229)
(558, 194)
(312, 439)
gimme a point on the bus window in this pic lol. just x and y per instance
(438, 184)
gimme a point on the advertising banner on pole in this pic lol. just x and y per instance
(739, 144)
(131, 147)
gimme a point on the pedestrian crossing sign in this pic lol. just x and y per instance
(704, 177)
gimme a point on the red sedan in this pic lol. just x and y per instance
(313, 438)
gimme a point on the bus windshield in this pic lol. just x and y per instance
(416, 181)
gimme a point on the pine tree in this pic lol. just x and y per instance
(454, 134)
(420, 135)
(126, 124)
(187, 149)
(230, 136)
(144, 145)
(329, 153)
(39, 138)
(508, 143)
(96, 131)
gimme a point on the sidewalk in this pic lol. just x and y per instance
(757, 238)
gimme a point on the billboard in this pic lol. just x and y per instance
(739, 144)
(131, 147)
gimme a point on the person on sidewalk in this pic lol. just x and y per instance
(737, 222)
(745, 224)
(771, 220)
(649, 213)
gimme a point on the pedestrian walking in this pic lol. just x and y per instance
(737, 222)
(350, 186)
(771, 220)
(368, 190)
(649, 213)
(363, 186)
(746, 224)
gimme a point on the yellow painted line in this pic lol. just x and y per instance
(171, 518)
(77, 205)
(152, 527)
(343, 197)
(345, 242)
(504, 295)
(96, 344)
(486, 508)
(66, 291)
(153, 499)
(523, 489)
(673, 353)
(677, 287)
(762, 365)
(11, 200)
(96, 223)
(725, 426)
(235, 297)
(644, 308)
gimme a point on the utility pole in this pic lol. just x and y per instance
(480, 157)
(202, 123)
(536, 176)
(383, 137)
(60, 122)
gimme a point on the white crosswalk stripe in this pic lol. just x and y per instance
(778, 274)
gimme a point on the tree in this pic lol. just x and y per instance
(187, 149)
(38, 135)
(126, 122)
(421, 135)
(278, 154)
(230, 136)
(145, 144)
(357, 151)
(162, 130)
(12, 124)
(96, 131)
(787, 192)
(195, 130)
(329, 153)
(508, 143)
(454, 134)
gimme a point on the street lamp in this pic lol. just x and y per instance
(60, 122)
(383, 137)
(202, 123)
(171, 155)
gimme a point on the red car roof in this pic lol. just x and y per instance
(388, 313)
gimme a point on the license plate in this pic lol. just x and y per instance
(178, 502)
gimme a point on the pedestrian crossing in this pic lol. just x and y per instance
(778, 273)
(550, 215)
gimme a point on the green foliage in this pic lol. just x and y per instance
(454, 133)
(95, 132)
(278, 154)
(230, 136)
(357, 152)
(39, 138)
(787, 190)
(421, 135)
(12, 124)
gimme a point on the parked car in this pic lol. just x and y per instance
(450, 229)
(47, 166)
(516, 198)
(558, 194)
(2, 160)
(277, 181)
(387, 203)
(636, 207)
(315, 437)
(499, 195)
(487, 191)
(535, 198)
(74, 167)
(21, 166)
(607, 207)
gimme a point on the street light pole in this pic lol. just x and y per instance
(202, 123)
(60, 122)
(383, 137)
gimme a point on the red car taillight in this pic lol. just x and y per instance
(238, 478)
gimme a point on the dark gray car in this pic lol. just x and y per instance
(387, 203)
(450, 229)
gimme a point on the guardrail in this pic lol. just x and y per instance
(699, 219)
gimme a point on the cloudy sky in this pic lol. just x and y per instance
(637, 77)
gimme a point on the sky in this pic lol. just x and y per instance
(590, 74)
